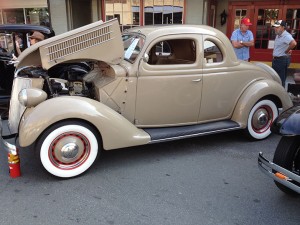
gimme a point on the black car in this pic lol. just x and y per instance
(9, 34)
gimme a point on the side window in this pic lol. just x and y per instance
(163, 48)
(169, 52)
(212, 53)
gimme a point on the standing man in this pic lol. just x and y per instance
(283, 45)
(242, 39)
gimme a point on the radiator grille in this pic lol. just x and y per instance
(79, 43)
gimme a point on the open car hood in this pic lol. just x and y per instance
(99, 41)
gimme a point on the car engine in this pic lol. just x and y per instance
(63, 80)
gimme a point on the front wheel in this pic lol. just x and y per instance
(260, 119)
(287, 155)
(68, 148)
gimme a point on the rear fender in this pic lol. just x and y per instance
(116, 131)
(256, 91)
(269, 70)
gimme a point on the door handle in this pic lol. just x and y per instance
(197, 80)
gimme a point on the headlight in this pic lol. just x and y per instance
(31, 97)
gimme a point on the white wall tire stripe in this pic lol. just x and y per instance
(261, 135)
(44, 151)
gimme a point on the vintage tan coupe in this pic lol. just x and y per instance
(148, 85)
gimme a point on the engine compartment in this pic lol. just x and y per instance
(66, 79)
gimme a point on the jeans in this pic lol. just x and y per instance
(280, 65)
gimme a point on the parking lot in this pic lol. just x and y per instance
(206, 180)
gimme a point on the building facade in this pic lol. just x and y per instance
(225, 15)
(262, 15)
(28, 12)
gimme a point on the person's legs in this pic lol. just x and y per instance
(280, 66)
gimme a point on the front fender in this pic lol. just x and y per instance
(256, 91)
(288, 122)
(116, 131)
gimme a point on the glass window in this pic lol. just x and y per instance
(37, 16)
(155, 12)
(127, 12)
(169, 52)
(264, 31)
(239, 14)
(293, 23)
(13, 16)
(133, 45)
(163, 12)
(212, 53)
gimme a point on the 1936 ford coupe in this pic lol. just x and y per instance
(147, 85)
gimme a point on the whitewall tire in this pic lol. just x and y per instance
(68, 149)
(260, 119)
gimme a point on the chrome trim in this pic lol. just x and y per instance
(269, 168)
(8, 147)
(193, 135)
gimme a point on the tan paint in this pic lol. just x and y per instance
(253, 93)
(34, 96)
(142, 95)
(116, 131)
(84, 43)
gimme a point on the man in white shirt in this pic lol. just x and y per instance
(283, 45)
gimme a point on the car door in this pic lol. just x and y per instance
(169, 84)
(223, 81)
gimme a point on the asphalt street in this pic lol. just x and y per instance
(206, 180)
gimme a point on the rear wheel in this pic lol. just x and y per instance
(260, 119)
(69, 148)
(287, 155)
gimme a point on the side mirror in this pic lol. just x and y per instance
(146, 57)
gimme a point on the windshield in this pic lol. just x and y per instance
(6, 42)
(133, 45)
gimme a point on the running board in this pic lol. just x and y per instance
(174, 133)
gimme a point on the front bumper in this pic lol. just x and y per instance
(7, 139)
(279, 174)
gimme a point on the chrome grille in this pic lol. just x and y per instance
(79, 43)
(16, 109)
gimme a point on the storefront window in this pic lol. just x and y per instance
(37, 16)
(293, 22)
(127, 12)
(155, 12)
(13, 16)
(265, 35)
(239, 15)
(163, 12)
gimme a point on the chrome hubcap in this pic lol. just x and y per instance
(69, 150)
(262, 119)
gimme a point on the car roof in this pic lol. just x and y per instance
(20, 28)
(159, 30)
